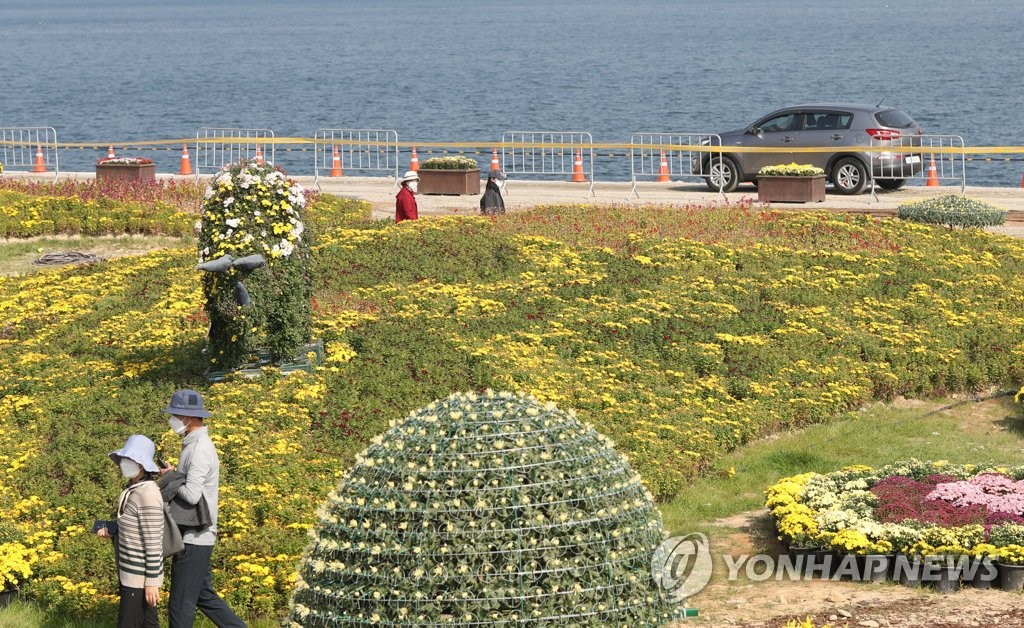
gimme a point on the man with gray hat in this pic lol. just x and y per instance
(405, 201)
(191, 575)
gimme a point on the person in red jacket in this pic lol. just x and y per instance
(405, 202)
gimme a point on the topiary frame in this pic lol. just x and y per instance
(254, 208)
(485, 509)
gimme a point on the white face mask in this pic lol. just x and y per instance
(129, 468)
(412, 186)
(177, 425)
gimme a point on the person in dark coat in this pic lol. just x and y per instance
(491, 202)
(405, 201)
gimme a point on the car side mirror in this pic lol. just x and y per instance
(755, 130)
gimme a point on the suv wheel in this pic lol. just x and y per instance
(724, 171)
(849, 176)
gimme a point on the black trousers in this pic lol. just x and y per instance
(133, 611)
(192, 588)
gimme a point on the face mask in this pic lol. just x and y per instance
(177, 425)
(129, 468)
(412, 186)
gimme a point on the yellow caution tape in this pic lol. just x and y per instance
(485, 148)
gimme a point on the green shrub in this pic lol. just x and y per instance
(453, 162)
(485, 509)
(952, 210)
(22, 216)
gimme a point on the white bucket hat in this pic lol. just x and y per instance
(137, 448)
(410, 176)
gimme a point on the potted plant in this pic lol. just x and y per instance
(1008, 538)
(1010, 559)
(980, 571)
(116, 168)
(449, 175)
(791, 183)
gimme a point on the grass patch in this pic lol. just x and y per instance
(16, 256)
(23, 614)
(959, 431)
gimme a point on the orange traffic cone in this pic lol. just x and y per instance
(186, 163)
(663, 173)
(259, 155)
(495, 164)
(110, 152)
(933, 176)
(336, 164)
(414, 161)
(40, 165)
(577, 168)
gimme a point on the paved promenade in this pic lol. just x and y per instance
(380, 192)
(525, 194)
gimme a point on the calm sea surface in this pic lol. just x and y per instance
(459, 70)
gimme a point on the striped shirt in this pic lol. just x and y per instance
(140, 536)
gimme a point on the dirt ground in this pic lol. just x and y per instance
(772, 603)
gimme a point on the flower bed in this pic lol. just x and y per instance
(678, 332)
(942, 513)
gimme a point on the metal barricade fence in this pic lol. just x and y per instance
(366, 150)
(216, 148)
(549, 153)
(912, 156)
(686, 155)
(29, 149)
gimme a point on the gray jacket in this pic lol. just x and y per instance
(201, 467)
(186, 515)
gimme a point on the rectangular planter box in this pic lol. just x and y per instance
(791, 189)
(449, 181)
(115, 172)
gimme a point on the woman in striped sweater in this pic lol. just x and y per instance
(138, 539)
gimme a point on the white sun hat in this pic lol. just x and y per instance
(137, 448)
(410, 176)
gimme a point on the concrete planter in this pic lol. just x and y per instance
(457, 182)
(791, 189)
(114, 172)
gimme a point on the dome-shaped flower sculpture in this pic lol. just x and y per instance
(256, 258)
(489, 509)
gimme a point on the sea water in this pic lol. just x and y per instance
(109, 71)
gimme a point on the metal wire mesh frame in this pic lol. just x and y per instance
(547, 153)
(368, 489)
(20, 145)
(369, 150)
(686, 154)
(950, 165)
(218, 147)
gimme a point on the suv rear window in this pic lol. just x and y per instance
(894, 118)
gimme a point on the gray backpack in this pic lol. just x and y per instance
(172, 535)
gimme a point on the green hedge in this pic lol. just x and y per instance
(952, 210)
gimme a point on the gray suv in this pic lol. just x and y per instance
(836, 126)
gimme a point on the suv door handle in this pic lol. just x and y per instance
(787, 139)
(837, 137)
